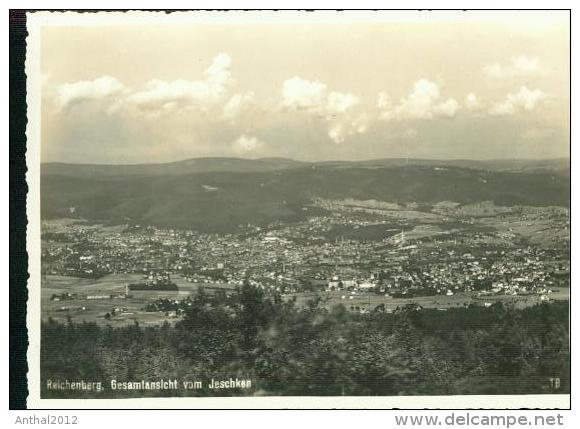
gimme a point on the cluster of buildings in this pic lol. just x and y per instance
(349, 250)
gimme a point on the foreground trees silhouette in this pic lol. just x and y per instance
(286, 350)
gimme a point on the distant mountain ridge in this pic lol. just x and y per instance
(187, 166)
(243, 165)
(207, 198)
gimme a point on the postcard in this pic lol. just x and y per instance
(291, 209)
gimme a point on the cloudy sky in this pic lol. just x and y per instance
(328, 86)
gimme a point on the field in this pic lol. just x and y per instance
(364, 301)
(94, 310)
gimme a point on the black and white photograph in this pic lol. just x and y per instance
(371, 205)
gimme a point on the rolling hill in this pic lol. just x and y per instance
(188, 166)
(241, 165)
(217, 195)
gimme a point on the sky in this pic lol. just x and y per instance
(308, 86)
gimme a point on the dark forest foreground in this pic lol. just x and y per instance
(287, 350)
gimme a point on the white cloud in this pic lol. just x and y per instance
(522, 100)
(447, 109)
(238, 104)
(520, 66)
(341, 129)
(472, 102)
(69, 94)
(421, 103)
(298, 93)
(338, 108)
(526, 99)
(159, 94)
(336, 132)
(344, 122)
(219, 73)
(339, 102)
(384, 101)
(247, 144)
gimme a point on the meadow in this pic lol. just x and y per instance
(82, 309)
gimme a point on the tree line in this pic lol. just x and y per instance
(290, 350)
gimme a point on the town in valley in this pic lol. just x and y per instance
(364, 254)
